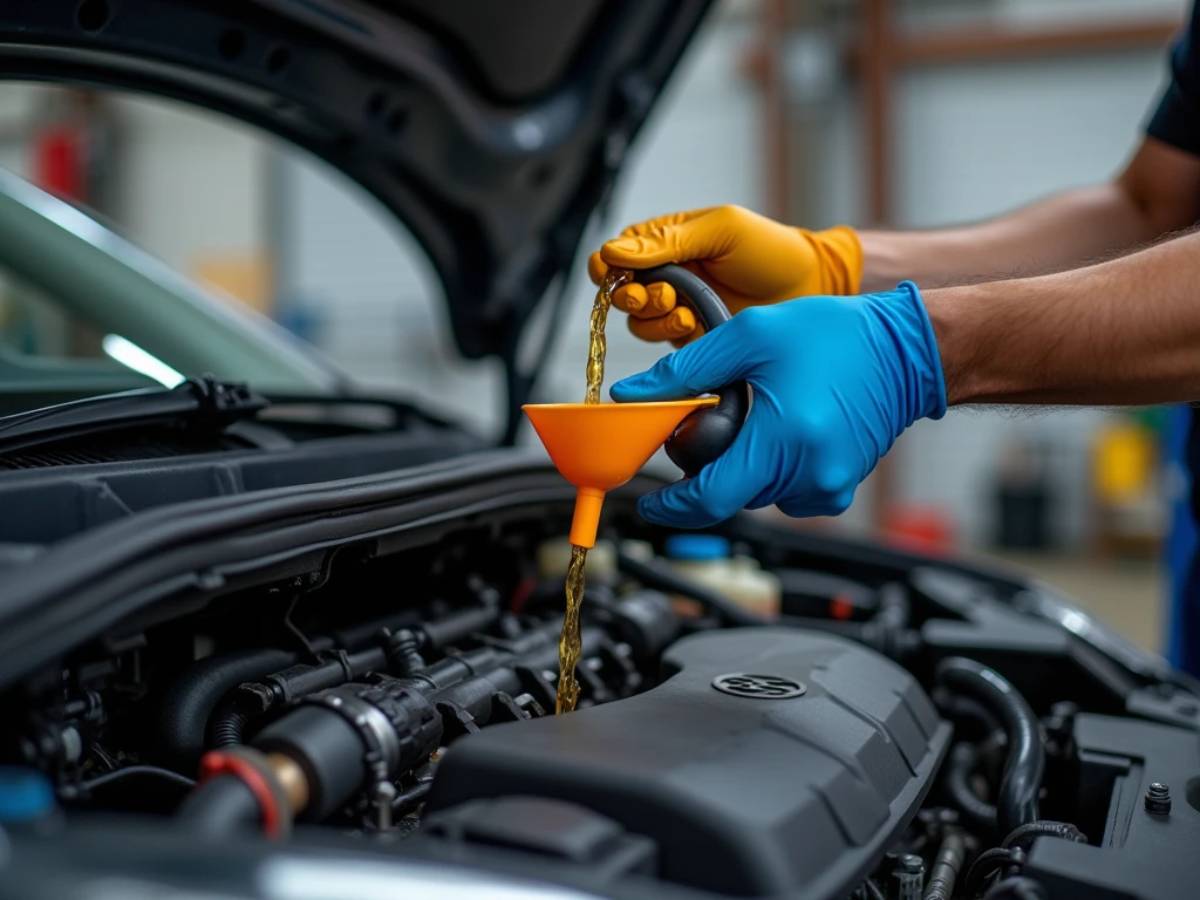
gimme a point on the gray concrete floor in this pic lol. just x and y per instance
(1126, 594)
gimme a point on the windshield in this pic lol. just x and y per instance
(84, 312)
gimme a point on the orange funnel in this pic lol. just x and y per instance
(600, 446)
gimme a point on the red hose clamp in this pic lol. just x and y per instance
(222, 762)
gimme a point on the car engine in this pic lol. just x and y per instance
(906, 728)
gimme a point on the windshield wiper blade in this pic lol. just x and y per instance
(198, 403)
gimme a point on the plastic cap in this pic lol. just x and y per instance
(697, 547)
(25, 794)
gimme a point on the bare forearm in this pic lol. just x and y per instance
(1057, 233)
(1120, 332)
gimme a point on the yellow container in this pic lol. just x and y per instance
(1125, 457)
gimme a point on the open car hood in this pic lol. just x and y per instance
(491, 129)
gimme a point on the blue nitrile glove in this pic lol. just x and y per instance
(835, 379)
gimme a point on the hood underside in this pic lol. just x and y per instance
(492, 130)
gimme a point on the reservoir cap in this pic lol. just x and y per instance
(696, 547)
(25, 794)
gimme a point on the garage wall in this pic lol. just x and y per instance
(975, 140)
(188, 183)
(194, 185)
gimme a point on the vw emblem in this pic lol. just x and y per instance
(759, 687)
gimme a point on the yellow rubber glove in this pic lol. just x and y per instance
(748, 259)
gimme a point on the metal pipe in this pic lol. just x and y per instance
(946, 866)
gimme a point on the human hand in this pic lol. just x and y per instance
(836, 380)
(748, 259)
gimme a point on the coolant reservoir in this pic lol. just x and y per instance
(553, 556)
(706, 559)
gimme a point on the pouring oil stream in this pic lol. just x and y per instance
(569, 641)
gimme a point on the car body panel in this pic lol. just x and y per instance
(495, 171)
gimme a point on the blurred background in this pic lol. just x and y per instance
(908, 113)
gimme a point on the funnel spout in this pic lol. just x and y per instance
(585, 521)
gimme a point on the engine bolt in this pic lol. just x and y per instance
(1158, 799)
(1064, 709)
(910, 875)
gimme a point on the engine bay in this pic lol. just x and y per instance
(905, 727)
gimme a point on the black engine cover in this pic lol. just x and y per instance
(745, 791)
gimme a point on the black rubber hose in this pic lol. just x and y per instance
(960, 706)
(457, 625)
(228, 722)
(1016, 888)
(946, 865)
(83, 788)
(659, 576)
(229, 726)
(412, 796)
(960, 767)
(190, 700)
(220, 805)
(1019, 837)
(984, 865)
(1017, 798)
